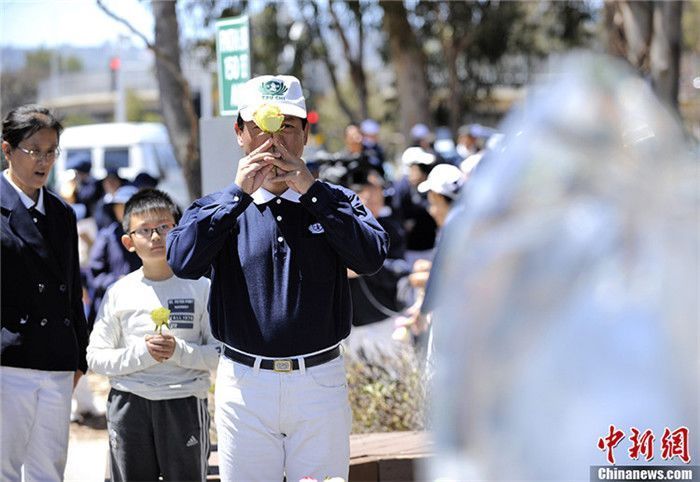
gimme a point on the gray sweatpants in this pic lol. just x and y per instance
(149, 439)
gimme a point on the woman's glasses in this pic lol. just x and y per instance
(38, 155)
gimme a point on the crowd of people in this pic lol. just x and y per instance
(411, 198)
(260, 282)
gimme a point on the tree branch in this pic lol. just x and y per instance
(167, 61)
(341, 33)
(357, 72)
(357, 9)
(126, 24)
(315, 31)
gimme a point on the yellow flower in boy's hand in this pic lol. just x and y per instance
(160, 317)
(269, 118)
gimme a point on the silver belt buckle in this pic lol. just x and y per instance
(282, 365)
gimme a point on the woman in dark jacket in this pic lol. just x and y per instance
(44, 333)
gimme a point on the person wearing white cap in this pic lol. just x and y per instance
(467, 143)
(371, 147)
(443, 185)
(411, 206)
(370, 128)
(277, 244)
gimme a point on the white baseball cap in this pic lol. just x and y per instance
(470, 162)
(416, 155)
(444, 179)
(284, 91)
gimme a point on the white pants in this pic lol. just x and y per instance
(35, 423)
(270, 424)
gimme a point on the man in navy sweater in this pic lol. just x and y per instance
(277, 245)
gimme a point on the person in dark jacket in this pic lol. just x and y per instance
(44, 333)
(411, 206)
(104, 214)
(88, 190)
(375, 303)
(109, 259)
(374, 296)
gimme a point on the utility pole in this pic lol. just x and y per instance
(120, 98)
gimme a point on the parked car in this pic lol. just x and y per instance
(129, 148)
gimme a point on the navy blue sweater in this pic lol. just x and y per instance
(278, 268)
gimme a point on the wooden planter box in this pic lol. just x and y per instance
(387, 457)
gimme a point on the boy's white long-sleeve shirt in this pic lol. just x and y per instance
(118, 347)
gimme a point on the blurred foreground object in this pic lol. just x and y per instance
(568, 295)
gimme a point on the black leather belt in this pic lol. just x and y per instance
(283, 365)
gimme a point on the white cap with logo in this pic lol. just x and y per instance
(284, 91)
(416, 155)
(444, 179)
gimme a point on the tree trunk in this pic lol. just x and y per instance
(648, 35)
(355, 62)
(638, 29)
(175, 97)
(409, 64)
(357, 74)
(665, 51)
(455, 89)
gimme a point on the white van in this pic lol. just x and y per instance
(128, 147)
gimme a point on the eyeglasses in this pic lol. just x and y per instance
(38, 155)
(146, 233)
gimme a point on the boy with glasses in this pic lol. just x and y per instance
(157, 408)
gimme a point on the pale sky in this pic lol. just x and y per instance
(47, 23)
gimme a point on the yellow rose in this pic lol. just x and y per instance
(160, 317)
(269, 118)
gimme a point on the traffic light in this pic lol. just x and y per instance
(312, 117)
(115, 64)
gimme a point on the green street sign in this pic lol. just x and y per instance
(233, 60)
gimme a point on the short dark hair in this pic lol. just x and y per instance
(240, 122)
(425, 168)
(447, 199)
(27, 120)
(148, 200)
(360, 177)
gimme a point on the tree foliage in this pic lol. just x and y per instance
(443, 54)
(446, 57)
(468, 43)
(21, 86)
(691, 26)
(136, 109)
